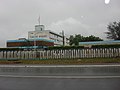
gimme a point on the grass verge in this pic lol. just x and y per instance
(64, 62)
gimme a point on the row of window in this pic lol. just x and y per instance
(38, 36)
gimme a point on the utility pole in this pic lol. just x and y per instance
(63, 38)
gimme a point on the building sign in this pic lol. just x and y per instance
(42, 35)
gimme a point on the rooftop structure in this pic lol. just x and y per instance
(109, 42)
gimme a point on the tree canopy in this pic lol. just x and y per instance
(113, 31)
(74, 40)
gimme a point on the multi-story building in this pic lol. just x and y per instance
(39, 38)
(41, 33)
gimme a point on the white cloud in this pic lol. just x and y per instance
(86, 17)
(70, 26)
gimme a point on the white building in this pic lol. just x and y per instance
(41, 33)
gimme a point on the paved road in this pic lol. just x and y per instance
(60, 77)
(22, 83)
(60, 70)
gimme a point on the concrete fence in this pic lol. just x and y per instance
(61, 54)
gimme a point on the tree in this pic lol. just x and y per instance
(74, 40)
(71, 40)
(113, 31)
(77, 39)
(92, 38)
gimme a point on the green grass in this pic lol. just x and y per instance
(64, 62)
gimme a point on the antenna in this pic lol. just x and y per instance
(39, 20)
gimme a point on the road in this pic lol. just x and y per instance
(21, 83)
(59, 77)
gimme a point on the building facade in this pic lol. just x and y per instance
(25, 43)
(39, 38)
(41, 33)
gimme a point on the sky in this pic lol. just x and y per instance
(85, 17)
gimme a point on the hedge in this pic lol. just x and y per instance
(63, 47)
(82, 47)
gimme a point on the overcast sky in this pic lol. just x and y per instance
(85, 17)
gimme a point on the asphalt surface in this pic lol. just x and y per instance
(8, 83)
(60, 77)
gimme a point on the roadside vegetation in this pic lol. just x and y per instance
(64, 62)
